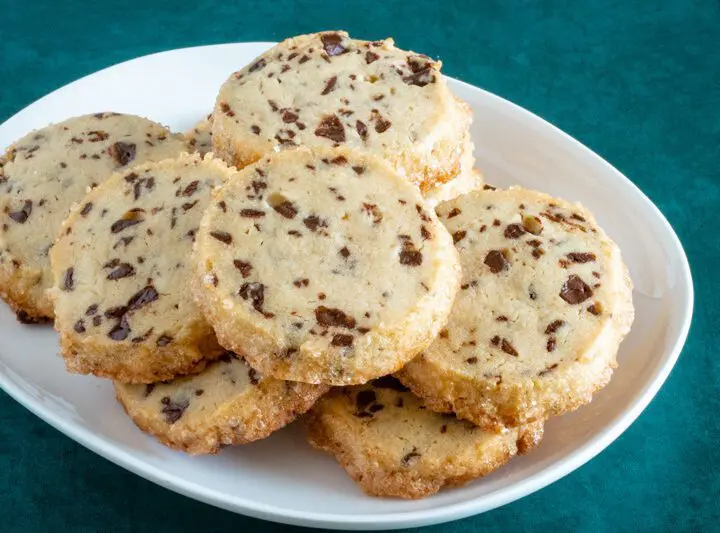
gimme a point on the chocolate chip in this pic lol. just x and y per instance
(371, 57)
(410, 457)
(243, 266)
(342, 340)
(21, 216)
(91, 310)
(501, 318)
(124, 270)
(361, 128)
(381, 123)
(495, 259)
(359, 170)
(253, 376)
(191, 188)
(554, 326)
(455, 212)
(514, 231)
(129, 219)
(252, 213)
(143, 297)
(458, 236)
(255, 129)
(330, 317)
(331, 128)
(313, 222)
(258, 65)
(471, 360)
(551, 343)
(79, 326)
(508, 348)
(304, 282)
(225, 108)
(255, 293)
(332, 44)
(344, 252)
(495, 341)
(163, 340)
(68, 283)
(329, 86)
(411, 257)
(121, 331)
(550, 368)
(122, 152)
(86, 209)
(288, 117)
(581, 257)
(373, 211)
(575, 290)
(286, 209)
(173, 410)
(221, 236)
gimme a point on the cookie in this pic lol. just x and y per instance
(122, 267)
(227, 403)
(391, 445)
(326, 90)
(324, 266)
(544, 303)
(200, 136)
(43, 174)
(469, 179)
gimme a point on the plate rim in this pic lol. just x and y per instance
(392, 520)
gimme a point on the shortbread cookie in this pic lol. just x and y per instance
(469, 179)
(122, 269)
(200, 136)
(324, 266)
(43, 174)
(326, 89)
(544, 303)
(392, 446)
(227, 403)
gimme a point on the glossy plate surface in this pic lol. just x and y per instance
(282, 478)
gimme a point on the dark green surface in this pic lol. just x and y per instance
(637, 82)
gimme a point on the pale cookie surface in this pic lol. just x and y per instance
(468, 179)
(391, 445)
(228, 403)
(324, 266)
(545, 301)
(327, 89)
(199, 138)
(122, 267)
(43, 174)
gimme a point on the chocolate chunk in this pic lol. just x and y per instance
(371, 57)
(91, 310)
(495, 341)
(304, 282)
(225, 108)
(143, 297)
(496, 260)
(581, 257)
(221, 236)
(124, 270)
(554, 326)
(514, 231)
(68, 283)
(508, 348)
(410, 458)
(313, 222)
(332, 43)
(116, 312)
(381, 123)
(411, 257)
(550, 368)
(21, 216)
(329, 317)
(329, 86)
(258, 65)
(373, 211)
(243, 266)
(286, 209)
(191, 188)
(361, 128)
(575, 290)
(255, 293)
(253, 376)
(471, 360)
(79, 326)
(455, 212)
(342, 340)
(86, 209)
(252, 213)
(122, 152)
(458, 236)
(359, 170)
(163, 340)
(550, 345)
(255, 129)
(344, 252)
(339, 160)
(129, 219)
(331, 128)
(288, 117)
(173, 410)
(121, 331)
(258, 186)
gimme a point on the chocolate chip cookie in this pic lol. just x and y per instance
(43, 174)
(324, 266)
(122, 267)
(391, 445)
(544, 303)
(328, 90)
(227, 403)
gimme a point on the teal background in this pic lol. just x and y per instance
(638, 82)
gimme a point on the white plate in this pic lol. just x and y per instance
(281, 478)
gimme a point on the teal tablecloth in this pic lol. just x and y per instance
(637, 81)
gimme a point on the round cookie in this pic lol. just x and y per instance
(392, 446)
(326, 89)
(469, 179)
(227, 403)
(43, 174)
(324, 266)
(122, 267)
(199, 138)
(544, 304)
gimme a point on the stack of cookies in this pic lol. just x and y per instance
(319, 245)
